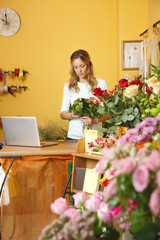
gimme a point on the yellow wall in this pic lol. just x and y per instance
(153, 12)
(50, 31)
(132, 21)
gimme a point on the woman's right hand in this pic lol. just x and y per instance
(68, 115)
(74, 116)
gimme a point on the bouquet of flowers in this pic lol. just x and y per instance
(133, 194)
(86, 107)
(130, 102)
(99, 143)
(89, 219)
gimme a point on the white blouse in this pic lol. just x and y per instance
(75, 130)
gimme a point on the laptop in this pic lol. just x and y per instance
(22, 131)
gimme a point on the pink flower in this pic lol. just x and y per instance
(99, 195)
(94, 101)
(104, 213)
(110, 190)
(115, 210)
(126, 165)
(132, 203)
(100, 99)
(101, 166)
(158, 178)
(124, 225)
(92, 203)
(140, 178)
(79, 198)
(59, 206)
(72, 213)
(152, 162)
(109, 153)
(154, 202)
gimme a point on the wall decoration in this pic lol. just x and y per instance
(20, 73)
(9, 22)
(131, 54)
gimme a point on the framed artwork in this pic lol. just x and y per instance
(131, 54)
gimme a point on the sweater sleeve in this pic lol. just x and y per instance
(66, 99)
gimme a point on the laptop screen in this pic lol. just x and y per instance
(20, 131)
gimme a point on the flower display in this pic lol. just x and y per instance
(129, 102)
(89, 219)
(122, 105)
(130, 166)
(133, 193)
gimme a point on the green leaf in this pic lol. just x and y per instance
(116, 110)
(146, 231)
(110, 105)
(118, 118)
(130, 117)
(136, 111)
(128, 110)
(111, 120)
(118, 123)
(101, 110)
(124, 118)
(113, 201)
(116, 99)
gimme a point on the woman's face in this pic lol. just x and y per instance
(80, 68)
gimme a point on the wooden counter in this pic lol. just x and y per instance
(62, 148)
(36, 179)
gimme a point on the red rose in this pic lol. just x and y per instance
(105, 92)
(137, 82)
(148, 90)
(97, 92)
(123, 83)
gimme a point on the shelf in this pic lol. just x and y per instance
(82, 160)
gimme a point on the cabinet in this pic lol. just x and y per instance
(82, 160)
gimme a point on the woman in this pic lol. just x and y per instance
(81, 85)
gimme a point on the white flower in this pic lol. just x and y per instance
(151, 81)
(131, 91)
(156, 88)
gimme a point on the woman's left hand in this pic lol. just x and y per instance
(88, 120)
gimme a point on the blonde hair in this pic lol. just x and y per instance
(74, 79)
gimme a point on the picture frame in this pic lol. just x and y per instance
(131, 54)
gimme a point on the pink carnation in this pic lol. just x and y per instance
(72, 213)
(79, 198)
(59, 206)
(124, 225)
(126, 165)
(140, 178)
(154, 201)
(92, 203)
(99, 195)
(110, 190)
(152, 162)
(158, 178)
(101, 166)
(104, 213)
